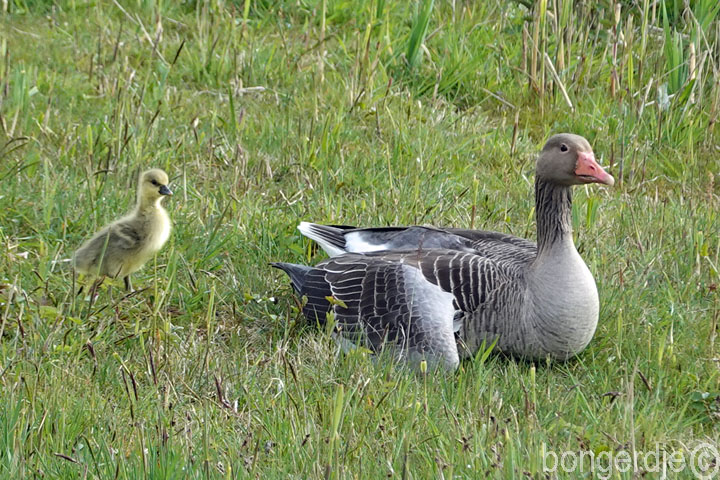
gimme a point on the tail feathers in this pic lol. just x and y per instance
(330, 238)
(309, 283)
(297, 274)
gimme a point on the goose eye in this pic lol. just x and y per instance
(154, 182)
(563, 148)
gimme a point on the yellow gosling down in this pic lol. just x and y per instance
(124, 246)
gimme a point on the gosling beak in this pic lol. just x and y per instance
(164, 190)
(589, 171)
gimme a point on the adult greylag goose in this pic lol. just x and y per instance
(123, 247)
(438, 294)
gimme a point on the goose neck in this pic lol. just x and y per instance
(553, 214)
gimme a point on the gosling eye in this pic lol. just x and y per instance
(563, 147)
(154, 182)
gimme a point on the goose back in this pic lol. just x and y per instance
(340, 239)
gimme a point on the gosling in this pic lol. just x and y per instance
(124, 246)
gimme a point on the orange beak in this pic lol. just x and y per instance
(589, 171)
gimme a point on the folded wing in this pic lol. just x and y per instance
(412, 301)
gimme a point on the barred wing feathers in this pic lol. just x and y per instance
(415, 301)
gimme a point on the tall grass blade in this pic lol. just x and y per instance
(418, 33)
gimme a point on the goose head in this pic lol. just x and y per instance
(153, 186)
(568, 159)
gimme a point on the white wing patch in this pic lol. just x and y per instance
(355, 244)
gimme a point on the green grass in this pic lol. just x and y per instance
(269, 113)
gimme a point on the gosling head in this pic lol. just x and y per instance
(568, 159)
(153, 187)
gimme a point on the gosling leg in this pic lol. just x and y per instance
(128, 284)
(93, 291)
(96, 284)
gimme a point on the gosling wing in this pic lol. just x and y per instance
(106, 251)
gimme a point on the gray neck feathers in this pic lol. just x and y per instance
(553, 213)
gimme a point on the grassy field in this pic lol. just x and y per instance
(373, 113)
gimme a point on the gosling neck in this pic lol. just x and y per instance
(147, 205)
(553, 214)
